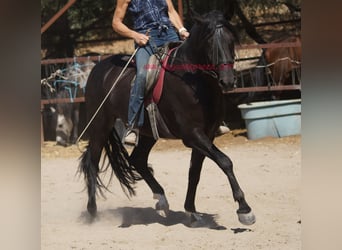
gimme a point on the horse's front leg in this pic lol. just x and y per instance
(244, 212)
(204, 146)
(193, 180)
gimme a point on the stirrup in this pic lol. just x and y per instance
(131, 137)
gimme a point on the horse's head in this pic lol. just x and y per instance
(213, 40)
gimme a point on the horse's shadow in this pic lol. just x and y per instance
(144, 216)
(131, 216)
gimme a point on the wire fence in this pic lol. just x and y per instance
(253, 73)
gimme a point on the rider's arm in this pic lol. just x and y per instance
(176, 20)
(121, 28)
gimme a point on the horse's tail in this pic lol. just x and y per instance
(90, 171)
(118, 160)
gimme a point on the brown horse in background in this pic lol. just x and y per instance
(284, 63)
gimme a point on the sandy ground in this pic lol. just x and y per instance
(269, 172)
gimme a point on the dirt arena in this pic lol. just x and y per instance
(269, 172)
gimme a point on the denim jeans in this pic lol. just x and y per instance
(158, 37)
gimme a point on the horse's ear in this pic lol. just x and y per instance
(197, 18)
(229, 10)
(193, 15)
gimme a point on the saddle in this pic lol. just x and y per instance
(156, 67)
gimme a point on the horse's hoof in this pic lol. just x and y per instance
(247, 219)
(162, 205)
(92, 209)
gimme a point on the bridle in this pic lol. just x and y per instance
(218, 51)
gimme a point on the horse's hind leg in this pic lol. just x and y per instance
(139, 159)
(89, 165)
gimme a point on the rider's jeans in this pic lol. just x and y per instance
(158, 37)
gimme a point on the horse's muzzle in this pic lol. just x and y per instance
(226, 78)
(228, 84)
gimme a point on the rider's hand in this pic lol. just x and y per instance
(141, 39)
(183, 33)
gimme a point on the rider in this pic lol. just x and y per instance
(155, 23)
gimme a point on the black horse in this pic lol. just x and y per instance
(191, 107)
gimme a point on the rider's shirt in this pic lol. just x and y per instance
(149, 14)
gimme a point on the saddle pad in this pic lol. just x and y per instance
(155, 78)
